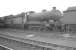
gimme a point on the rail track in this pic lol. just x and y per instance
(13, 44)
(17, 43)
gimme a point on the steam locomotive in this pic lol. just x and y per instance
(45, 21)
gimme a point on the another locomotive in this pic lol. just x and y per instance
(69, 20)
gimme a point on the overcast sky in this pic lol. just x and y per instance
(8, 7)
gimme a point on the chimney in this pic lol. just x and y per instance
(54, 8)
